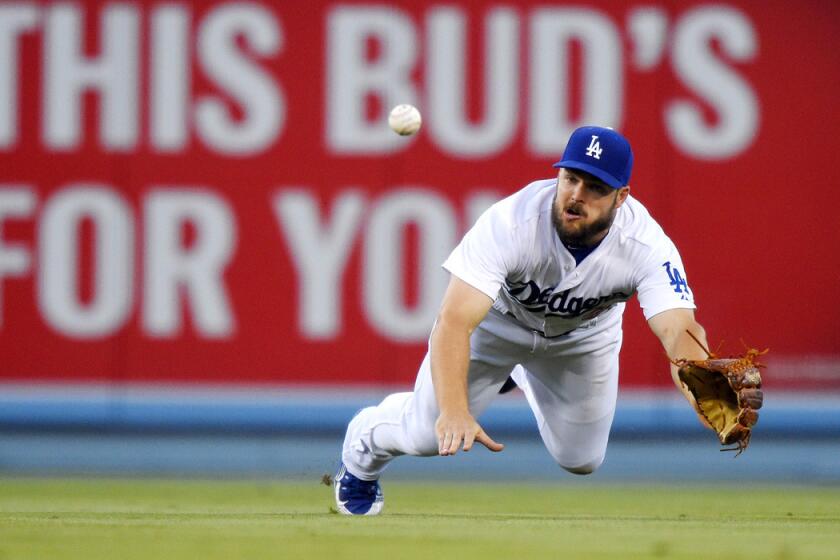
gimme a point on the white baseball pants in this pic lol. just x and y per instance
(570, 382)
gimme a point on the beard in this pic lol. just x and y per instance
(585, 235)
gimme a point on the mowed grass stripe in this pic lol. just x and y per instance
(178, 519)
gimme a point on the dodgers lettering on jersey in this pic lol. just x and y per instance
(514, 255)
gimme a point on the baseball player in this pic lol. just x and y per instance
(537, 292)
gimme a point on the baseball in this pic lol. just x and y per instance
(404, 119)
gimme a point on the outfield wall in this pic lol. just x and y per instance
(325, 412)
(207, 193)
(297, 434)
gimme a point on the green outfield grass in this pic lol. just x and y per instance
(56, 519)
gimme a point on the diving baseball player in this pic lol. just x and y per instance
(537, 292)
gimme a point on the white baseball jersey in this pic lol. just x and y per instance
(514, 255)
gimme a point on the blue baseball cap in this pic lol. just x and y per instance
(600, 151)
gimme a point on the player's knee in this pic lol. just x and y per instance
(584, 468)
(423, 444)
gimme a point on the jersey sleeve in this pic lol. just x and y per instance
(486, 254)
(663, 284)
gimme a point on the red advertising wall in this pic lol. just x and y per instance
(208, 191)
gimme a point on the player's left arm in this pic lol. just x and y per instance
(671, 327)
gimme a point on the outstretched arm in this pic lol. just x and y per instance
(463, 308)
(672, 327)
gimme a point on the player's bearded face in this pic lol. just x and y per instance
(584, 210)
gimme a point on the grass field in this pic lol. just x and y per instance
(56, 519)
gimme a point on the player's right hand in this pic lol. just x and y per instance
(454, 428)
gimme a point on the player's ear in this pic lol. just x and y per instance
(621, 195)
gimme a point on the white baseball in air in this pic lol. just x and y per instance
(405, 119)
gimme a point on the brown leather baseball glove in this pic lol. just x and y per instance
(727, 394)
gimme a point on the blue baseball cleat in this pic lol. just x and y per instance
(354, 496)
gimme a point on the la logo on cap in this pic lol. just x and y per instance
(594, 149)
(585, 149)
